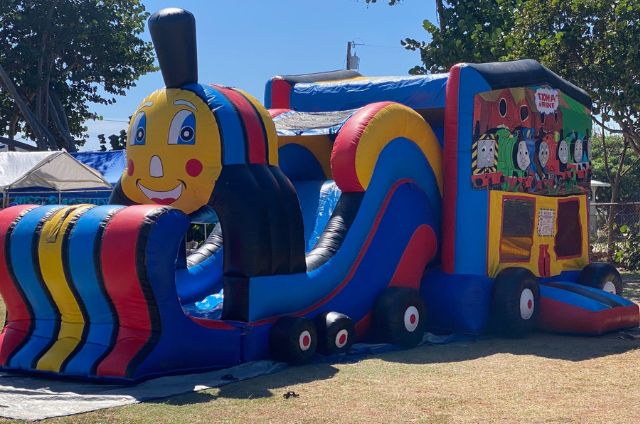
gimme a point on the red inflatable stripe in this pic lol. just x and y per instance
(450, 170)
(256, 141)
(18, 314)
(119, 251)
(565, 318)
(277, 112)
(343, 156)
(420, 250)
(280, 94)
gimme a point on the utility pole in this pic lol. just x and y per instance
(353, 61)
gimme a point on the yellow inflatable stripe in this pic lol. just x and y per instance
(270, 127)
(319, 145)
(392, 122)
(50, 258)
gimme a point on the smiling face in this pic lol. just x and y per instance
(543, 153)
(577, 151)
(522, 157)
(486, 152)
(563, 152)
(173, 151)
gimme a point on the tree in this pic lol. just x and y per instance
(117, 142)
(591, 42)
(594, 43)
(60, 53)
(616, 162)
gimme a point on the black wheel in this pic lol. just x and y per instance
(603, 276)
(398, 317)
(515, 306)
(336, 333)
(293, 340)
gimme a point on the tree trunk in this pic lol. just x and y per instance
(613, 210)
(13, 124)
(615, 197)
(68, 142)
(42, 133)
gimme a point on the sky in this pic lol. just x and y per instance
(243, 43)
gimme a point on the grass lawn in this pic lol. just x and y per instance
(543, 378)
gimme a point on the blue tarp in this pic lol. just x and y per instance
(110, 164)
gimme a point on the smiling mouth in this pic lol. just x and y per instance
(162, 197)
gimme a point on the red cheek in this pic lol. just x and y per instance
(193, 167)
(130, 167)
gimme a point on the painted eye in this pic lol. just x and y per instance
(183, 128)
(138, 134)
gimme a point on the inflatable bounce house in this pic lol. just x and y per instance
(351, 208)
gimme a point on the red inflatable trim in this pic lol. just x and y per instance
(253, 126)
(18, 315)
(280, 94)
(562, 317)
(450, 170)
(343, 156)
(277, 112)
(420, 250)
(118, 258)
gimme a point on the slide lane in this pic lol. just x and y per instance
(573, 308)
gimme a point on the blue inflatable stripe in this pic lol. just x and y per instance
(83, 270)
(231, 128)
(472, 209)
(24, 264)
(417, 92)
(571, 298)
(298, 163)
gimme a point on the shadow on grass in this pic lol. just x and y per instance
(631, 282)
(258, 387)
(561, 347)
(551, 346)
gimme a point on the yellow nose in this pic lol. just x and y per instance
(155, 167)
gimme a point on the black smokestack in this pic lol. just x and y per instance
(173, 32)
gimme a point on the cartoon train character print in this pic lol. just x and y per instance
(513, 160)
(485, 160)
(542, 153)
(580, 156)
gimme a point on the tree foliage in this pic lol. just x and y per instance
(613, 162)
(65, 54)
(116, 141)
(593, 43)
(468, 31)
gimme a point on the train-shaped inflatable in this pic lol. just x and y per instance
(352, 208)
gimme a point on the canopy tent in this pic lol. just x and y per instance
(110, 164)
(48, 172)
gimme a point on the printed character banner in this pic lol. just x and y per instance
(531, 139)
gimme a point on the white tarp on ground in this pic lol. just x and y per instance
(53, 170)
(30, 398)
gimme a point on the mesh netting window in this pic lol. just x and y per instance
(518, 218)
(569, 231)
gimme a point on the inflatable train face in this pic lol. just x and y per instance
(173, 151)
(208, 148)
